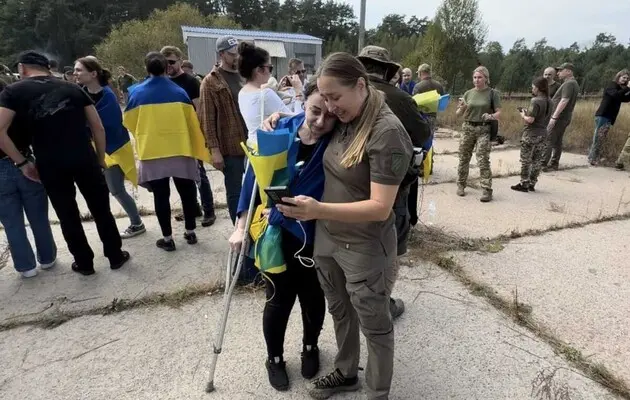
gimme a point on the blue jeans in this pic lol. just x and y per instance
(115, 179)
(19, 195)
(205, 192)
(233, 170)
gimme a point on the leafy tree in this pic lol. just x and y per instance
(518, 67)
(492, 58)
(128, 43)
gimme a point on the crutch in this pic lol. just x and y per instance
(229, 289)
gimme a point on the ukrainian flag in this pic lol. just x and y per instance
(118, 149)
(163, 121)
(273, 163)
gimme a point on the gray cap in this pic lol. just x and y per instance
(226, 43)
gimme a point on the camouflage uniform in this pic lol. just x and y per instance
(624, 156)
(471, 135)
(532, 155)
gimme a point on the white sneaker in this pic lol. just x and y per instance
(48, 266)
(29, 274)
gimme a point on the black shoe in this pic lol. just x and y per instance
(208, 220)
(191, 238)
(278, 377)
(335, 382)
(550, 168)
(164, 245)
(125, 256)
(619, 167)
(83, 271)
(531, 188)
(396, 307)
(310, 362)
(133, 231)
(520, 187)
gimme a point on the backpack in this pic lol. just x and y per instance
(494, 124)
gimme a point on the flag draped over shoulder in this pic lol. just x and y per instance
(118, 149)
(163, 121)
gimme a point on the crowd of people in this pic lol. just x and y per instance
(360, 142)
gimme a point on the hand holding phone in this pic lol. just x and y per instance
(276, 193)
(520, 109)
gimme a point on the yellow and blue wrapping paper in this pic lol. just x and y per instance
(428, 102)
(118, 148)
(164, 122)
(273, 163)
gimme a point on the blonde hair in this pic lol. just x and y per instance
(620, 74)
(348, 70)
(483, 71)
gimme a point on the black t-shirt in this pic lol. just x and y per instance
(50, 113)
(189, 83)
(305, 152)
(96, 97)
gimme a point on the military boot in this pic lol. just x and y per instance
(486, 196)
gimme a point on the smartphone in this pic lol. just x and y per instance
(276, 193)
(520, 109)
(286, 82)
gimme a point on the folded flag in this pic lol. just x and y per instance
(427, 102)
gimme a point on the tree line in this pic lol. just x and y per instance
(453, 42)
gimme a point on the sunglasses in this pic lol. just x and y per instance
(268, 66)
(172, 62)
(300, 71)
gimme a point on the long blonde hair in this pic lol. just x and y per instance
(348, 70)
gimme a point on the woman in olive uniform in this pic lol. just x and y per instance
(355, 240)
(476, 106)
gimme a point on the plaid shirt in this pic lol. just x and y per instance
(220, 120)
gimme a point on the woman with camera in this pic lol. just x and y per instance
(480, 106)
(300, 278)
(533, 141)
(355, 242)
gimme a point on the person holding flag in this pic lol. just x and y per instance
(169, 144)
(119, 157)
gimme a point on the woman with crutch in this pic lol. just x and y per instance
(300, 278)
(355, 241)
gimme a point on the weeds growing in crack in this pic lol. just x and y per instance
(546, 386)
(4, 257)
(557, 208)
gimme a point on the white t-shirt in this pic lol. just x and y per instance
(251, 108)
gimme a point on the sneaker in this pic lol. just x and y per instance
(124, 258)
(83, 271)
(166, 245)
(486, 196)
(531, 188)
(396, 307)
(191, 238)
(310, 362)
(48, 266)
(180, 217)
(29, 274)
(208, 220)
(550, 168)
(133, 230)
(521, 187)
(460, 191)
(335, 382)
(619, 167)
(277, 372)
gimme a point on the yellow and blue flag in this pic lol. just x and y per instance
(163, 120)
(118, 149)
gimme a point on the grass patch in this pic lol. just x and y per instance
(557, 208)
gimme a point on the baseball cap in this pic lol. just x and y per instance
(31, 57)
(226, 43)
(566, 65)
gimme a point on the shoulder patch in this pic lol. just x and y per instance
(398, 164)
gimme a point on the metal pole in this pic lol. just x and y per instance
(362, 25)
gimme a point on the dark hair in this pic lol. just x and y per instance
(92, 65)
(294, 62)
(53, 63)
(374, 68)
(155, 63)
(542, 85)
(310, 88)
(251, 57)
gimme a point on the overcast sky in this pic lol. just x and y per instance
(563, 21)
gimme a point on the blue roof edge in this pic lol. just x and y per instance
(187, 29)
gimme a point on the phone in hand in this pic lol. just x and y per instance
(520, 109)
(276, 193)
(286, 81)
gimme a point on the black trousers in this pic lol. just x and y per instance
(187, 190)
(59, 181)
(282, 289)
(412, 203)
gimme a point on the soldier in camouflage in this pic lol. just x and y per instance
(476, 107)
(533, 141)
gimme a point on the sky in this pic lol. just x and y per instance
(564, 21)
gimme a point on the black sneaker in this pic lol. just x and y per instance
(133, 230)
(335, 382)
(531, 188)
(125, 256)
(83, 271)
(199, 212)
(550, 168)
(520, 187)
(310, 362)
(166, 245)
(191, 238)
(396, 307)
(208, 220)
(278, 377)
(619, 167)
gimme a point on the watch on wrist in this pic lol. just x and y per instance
(23, 163)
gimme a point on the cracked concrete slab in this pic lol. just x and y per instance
(449, 345)
(150, 270)
(575, 280)
(561, 198)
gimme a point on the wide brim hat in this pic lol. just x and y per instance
(379, 55)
